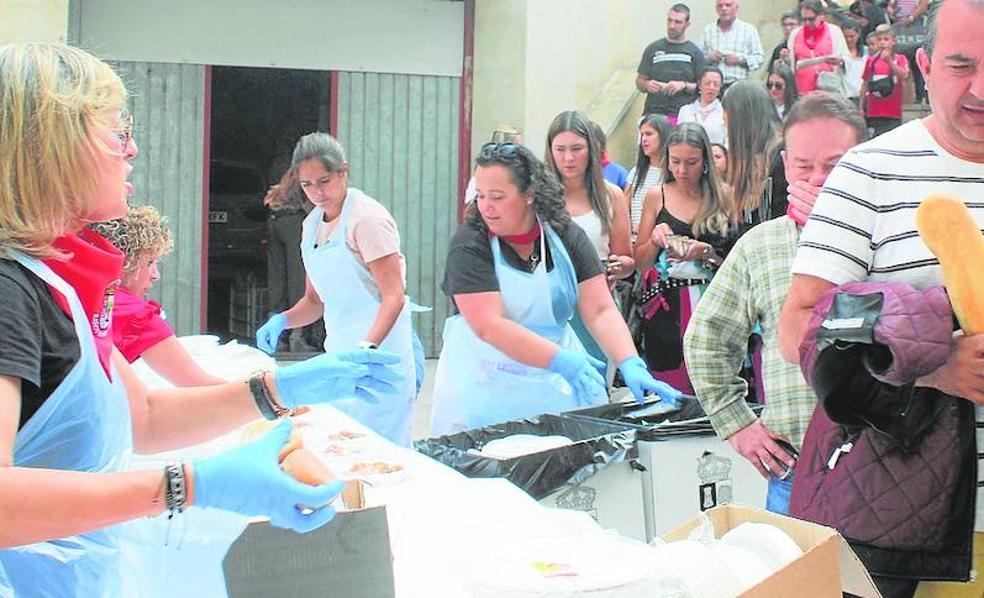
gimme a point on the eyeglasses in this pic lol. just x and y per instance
(125, 132)
(775, 85)
(808, 19)
(493, 150)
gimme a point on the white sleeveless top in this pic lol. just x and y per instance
(591, 225)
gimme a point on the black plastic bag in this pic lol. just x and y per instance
(596, 445)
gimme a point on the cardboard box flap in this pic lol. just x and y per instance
(822, 547)
(854, 575)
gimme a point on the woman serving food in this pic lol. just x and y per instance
(517, 272)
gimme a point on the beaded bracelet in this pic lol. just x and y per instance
(175, 489)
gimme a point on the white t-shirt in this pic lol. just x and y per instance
(863, 225)
(371, 232)
(710, 116)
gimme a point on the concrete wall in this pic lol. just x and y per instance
(423, 37)
(535, 58)
(33, 20)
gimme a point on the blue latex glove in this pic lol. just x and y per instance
(248, 480)
(581, 372)
(268, 334)
(637, 377)
(337, 375)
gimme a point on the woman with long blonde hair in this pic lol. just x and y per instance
(685, 233)
(755, 170)
(71, 409)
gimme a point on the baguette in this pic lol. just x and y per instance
(951, 233)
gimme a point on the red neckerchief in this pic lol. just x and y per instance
(522, 239)
(93, 270)
(605, 160)
(812, 35)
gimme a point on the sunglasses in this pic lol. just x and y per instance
(776, 85)
(125, 132)
(498, 150)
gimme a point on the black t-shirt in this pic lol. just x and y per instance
(664, 61)
(38, 343)
(470, 267)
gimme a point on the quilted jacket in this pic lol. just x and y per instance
(893, 467)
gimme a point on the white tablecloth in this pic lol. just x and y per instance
(437, 520)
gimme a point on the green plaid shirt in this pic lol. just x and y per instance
(750, 288)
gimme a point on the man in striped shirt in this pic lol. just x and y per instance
(732, 44)
(750, 288)
(863, 225)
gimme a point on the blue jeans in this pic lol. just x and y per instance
(777, 499)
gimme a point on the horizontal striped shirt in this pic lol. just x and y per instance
(863, 226)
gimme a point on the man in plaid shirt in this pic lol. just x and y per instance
(732, 44)
(750, 288)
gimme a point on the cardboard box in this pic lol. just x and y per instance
(349, 557)
(828, 565)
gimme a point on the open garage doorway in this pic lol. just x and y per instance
(257, 115)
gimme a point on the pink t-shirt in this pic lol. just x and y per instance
(137, 324)
(890, 107)
(371, 234)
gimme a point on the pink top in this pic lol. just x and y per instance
(137, 324)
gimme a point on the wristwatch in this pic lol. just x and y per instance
(367, 345)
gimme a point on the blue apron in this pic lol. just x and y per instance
(351, 301)
(83, 426)
(476, 384)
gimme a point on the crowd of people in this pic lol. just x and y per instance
(762, 202)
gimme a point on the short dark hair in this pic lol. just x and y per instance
(933, 25)
(813, 5)
(681, 8)
(790, 14)
(823, 104)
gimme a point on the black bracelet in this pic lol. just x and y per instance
(175, 489)
(261, 396)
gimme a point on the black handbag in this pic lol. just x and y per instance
(883, 87)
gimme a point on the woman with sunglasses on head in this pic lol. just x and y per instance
(597, 206)
(355, 279)
(685, 233)
(139, 329)
(71, 409)
(647, 172)
(517, 272)
(782, 87)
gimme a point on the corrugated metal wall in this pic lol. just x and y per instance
(401, 135)
(167, 101)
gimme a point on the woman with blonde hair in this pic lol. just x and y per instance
(595, 205)
(755, 171)
(71, 409)
(685, 233)
(139, 329)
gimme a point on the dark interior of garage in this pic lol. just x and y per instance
(257, 115)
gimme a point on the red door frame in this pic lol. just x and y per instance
(465, 106)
